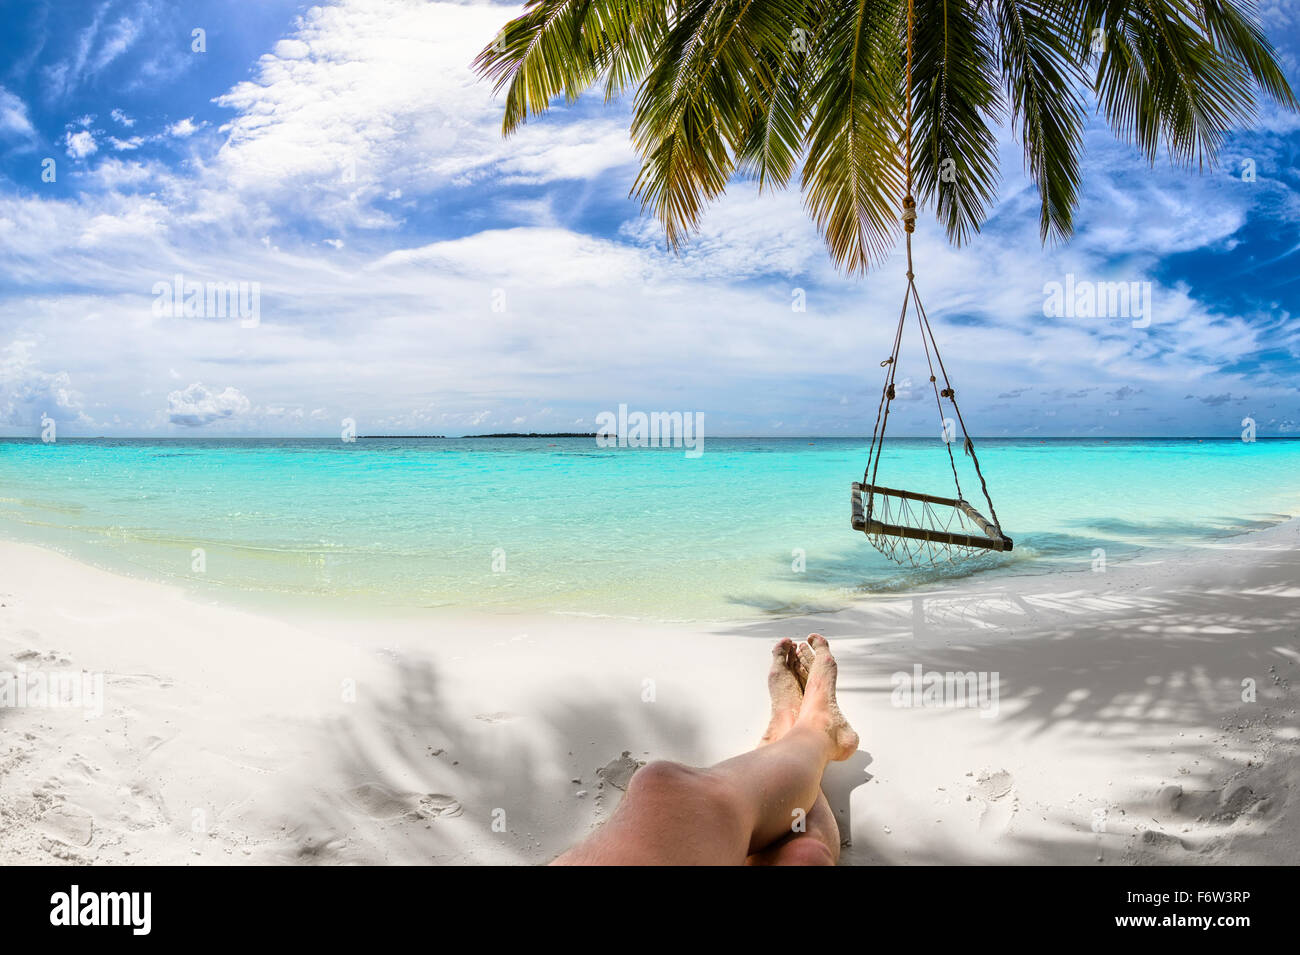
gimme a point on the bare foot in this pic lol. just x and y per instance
(786, 691)
(819, 709)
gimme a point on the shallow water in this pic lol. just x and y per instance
(562, 525)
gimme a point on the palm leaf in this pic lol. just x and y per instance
(779, 123)
(1040, 65)
(853, 174)
(723, 90)
(697, 108)
(954, 99)
(1160, 80)
(561, 47)
(1236, 34)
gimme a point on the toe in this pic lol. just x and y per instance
(823, 661)
(802, 662)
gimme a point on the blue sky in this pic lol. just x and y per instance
(418, 274)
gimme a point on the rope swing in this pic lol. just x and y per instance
(911, 528)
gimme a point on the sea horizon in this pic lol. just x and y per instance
(754, 527)
(214, 436)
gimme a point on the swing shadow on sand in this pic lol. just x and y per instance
(1135, 670)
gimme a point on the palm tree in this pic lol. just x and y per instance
(768, 88)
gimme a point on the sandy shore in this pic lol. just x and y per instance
(1118, 732)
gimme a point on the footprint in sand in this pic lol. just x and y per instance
(992, 786)
(995, 791)
(1161, 840)
(380, 802)
(82, 767)
(1216, 807)
(439, 804)
(68, 824)
(618, 772)
(27, 656)
(140, 806)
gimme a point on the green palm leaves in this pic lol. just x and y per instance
(769, 88)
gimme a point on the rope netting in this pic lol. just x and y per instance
(923, 516)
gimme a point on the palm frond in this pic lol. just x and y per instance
(954, 100)
(758, 87)
(853, 174)
(1234, 29)
(561, 47)
(1041, 59)
(779, 122)
(696, 109)
(1160, 80)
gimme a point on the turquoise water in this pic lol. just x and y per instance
(562, 525)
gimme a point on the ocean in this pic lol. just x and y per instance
(753, 526)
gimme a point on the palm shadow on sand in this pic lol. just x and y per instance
(1092, 665)
(412, 779)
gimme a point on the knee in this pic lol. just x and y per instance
(684, 788)
(663, 779)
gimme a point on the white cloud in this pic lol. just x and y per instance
(135, 142)
(81, 144)
(117, 40)
(375, 98)
(184, 128)
(27, 393)
(529, 257)
(14, 120)
(122, 118)
(371, 102)
(196, 405)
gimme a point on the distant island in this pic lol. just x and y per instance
(504, 434)
(534, 434)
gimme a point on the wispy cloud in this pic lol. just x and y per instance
(95, 47)
(14, 121)
(418, 272)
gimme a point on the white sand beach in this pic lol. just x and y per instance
(1120, 734)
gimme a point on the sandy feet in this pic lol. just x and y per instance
(801, 683)
(786, 690)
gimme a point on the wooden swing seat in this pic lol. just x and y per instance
(991, 539)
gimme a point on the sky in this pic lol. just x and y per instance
(406, 268)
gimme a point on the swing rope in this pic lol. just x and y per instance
(934, 539)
